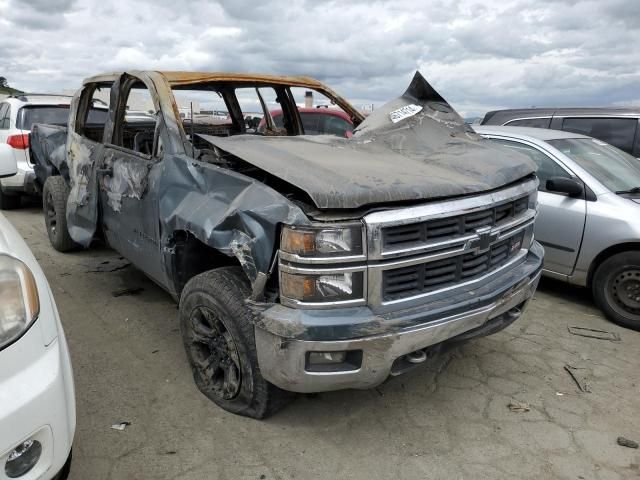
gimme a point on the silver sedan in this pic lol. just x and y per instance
(589, 220)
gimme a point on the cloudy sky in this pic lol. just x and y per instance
(479, 55)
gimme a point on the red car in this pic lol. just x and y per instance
(317, 121)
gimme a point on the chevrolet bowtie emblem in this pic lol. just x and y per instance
(484, 240)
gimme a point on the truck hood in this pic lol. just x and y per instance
(413, 148)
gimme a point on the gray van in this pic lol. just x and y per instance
(616, 126)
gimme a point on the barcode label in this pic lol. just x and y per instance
(404, 112)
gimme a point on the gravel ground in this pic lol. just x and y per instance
(448, 419)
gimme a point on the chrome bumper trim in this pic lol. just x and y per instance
(282, 361)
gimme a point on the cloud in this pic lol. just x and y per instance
(480, 55)
(38, 14)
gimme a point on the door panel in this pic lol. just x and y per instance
(128, 192)
(560, 223)
(84, 155)
(559, 228)
(129, 208)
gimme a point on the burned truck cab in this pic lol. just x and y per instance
(305, 255)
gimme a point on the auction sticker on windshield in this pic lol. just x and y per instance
(404, 112)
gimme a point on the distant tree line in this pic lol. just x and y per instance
(5, 89)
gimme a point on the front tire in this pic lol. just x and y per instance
(54, 205)
(218, 337)
(616, 289)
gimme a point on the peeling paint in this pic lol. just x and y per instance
(127, 179)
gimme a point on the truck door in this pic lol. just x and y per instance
(88, 127)
(560, 223)
(132, 165)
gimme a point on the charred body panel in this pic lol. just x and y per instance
(225, 210)
(48, 153)
(144, 202)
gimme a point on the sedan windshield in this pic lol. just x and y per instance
(615, 169)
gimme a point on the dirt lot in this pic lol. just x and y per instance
(449, 419)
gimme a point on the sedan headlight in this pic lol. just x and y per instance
(318, 288)
(19, 304)
(332, 241)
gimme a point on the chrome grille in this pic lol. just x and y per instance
(423, 278)
(439, 248)
(406, 236)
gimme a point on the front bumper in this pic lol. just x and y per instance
(285, 336)
(36, 400)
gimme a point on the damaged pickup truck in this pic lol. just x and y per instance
(300, 263)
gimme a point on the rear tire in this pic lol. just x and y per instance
(616, 289)
(54, 205)
(8, 201)
(218, 335)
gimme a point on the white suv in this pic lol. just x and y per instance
(17, 114)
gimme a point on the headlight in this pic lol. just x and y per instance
(19, 304)
(321, 288)
(336, 241)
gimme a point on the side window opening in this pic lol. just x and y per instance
(618, 132)
(253, 108)
(530, 122)
(5, 115)
(228, 109)
(255, 103)
(547, 167)
(135, 129)
(203, 109)
(92, 115)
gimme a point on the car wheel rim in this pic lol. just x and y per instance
(51, 214)
(624, 290)
(214, 353)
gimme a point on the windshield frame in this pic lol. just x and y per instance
(625, 174)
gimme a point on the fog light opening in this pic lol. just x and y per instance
(336, 361)
(23, 458)
(324, 358)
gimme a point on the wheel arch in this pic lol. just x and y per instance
(607, 253)
(190, 257)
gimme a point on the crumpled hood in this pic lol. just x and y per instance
(413, 148)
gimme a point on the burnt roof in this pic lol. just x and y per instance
(177, 78)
